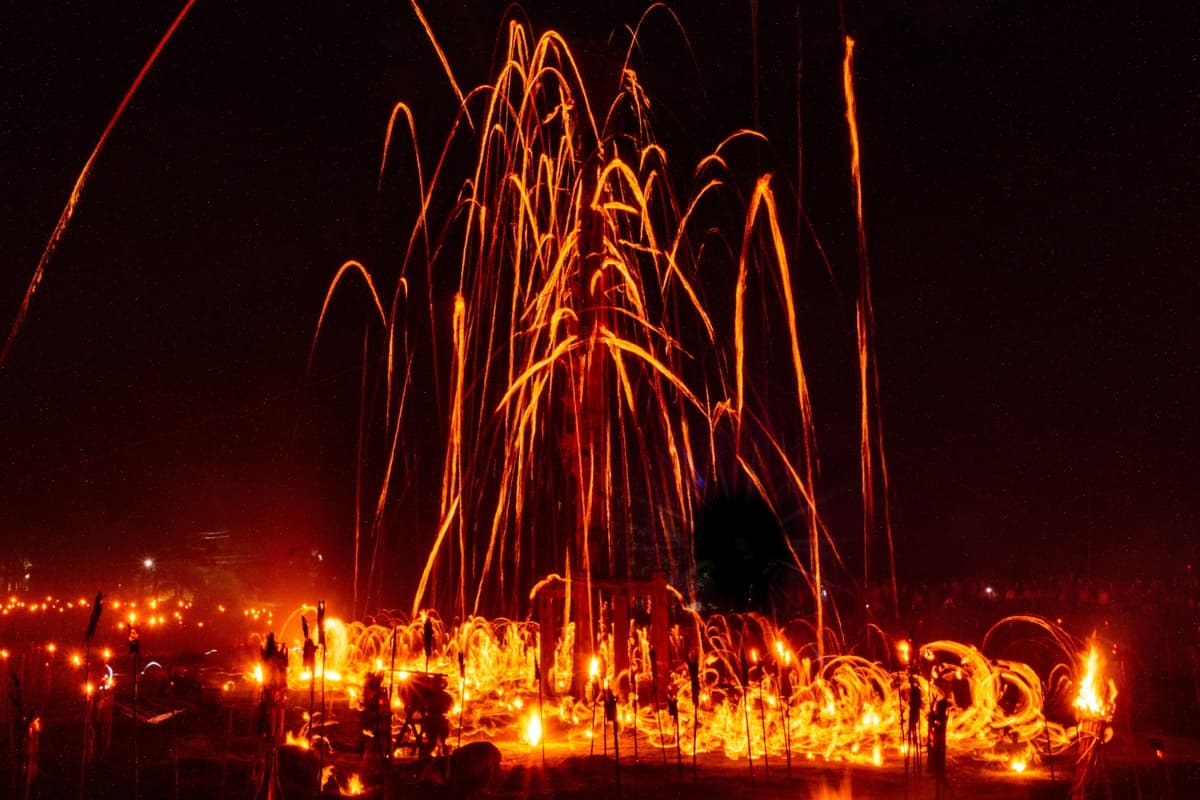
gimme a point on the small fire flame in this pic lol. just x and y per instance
(354, 786)
(1095, 698)
(291, 740)
(533, 730)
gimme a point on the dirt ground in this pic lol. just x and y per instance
(214, 750)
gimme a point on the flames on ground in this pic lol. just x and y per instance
(761, 691)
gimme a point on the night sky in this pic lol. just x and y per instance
(1030, 191)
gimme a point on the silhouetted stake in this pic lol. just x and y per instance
(273, 663)
(387, 730)
(97, 607)
(321, 644)
(633, 691)
(21, 777)
(905, 732)
(308, 658)
(134, 648)
(654, 689)
(610, 712)
(604, 740)
(595, 697)
(785, 700)
(746, 715)
(673, 710)
(462, 689)
(693, 667)
(762, 718)
(427, 631)
(391, 694)
(537, 677)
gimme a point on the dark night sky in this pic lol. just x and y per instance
(1031, 209)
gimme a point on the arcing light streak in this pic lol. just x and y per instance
(77, 190)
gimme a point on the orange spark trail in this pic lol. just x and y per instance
(441, 56)
(69, 210)
(590, 399)
(868, 368)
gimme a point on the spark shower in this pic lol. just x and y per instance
(607, 348)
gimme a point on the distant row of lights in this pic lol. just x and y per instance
(129, 611)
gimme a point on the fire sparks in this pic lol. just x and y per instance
(593, 315)
(839, 709)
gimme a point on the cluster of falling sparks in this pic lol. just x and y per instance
(599, 351)
(603, 370)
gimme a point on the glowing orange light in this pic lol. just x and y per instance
(1095, 696)
(533, 730)
(291, 740)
